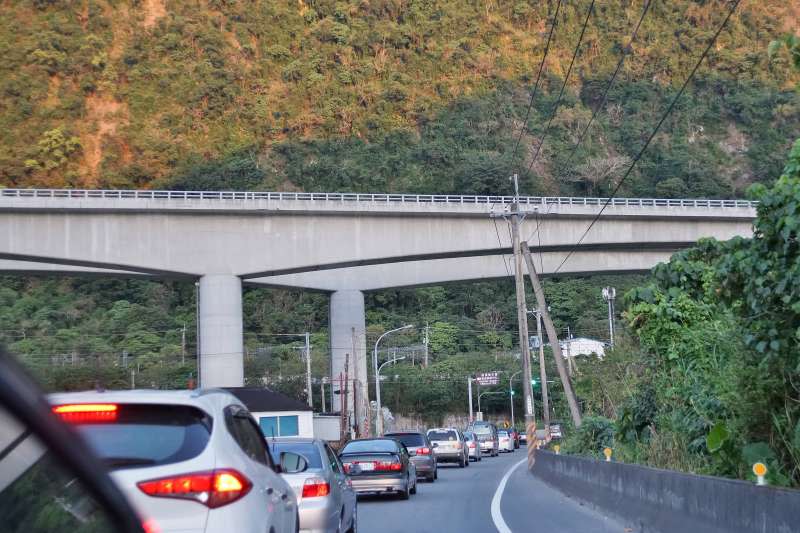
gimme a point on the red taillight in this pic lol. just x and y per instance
(314, 487)
(471, 444)
(423, 451)
(150, 527)
(388, 466)
(82, 413)
(213, 489)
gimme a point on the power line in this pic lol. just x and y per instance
(652, 135)
(625, 52)
(536, 85)
(563, 86)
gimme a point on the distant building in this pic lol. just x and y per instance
(277, 414)
(583, 346)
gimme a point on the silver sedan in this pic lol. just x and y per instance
(325, 496)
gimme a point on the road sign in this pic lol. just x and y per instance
(487, 378)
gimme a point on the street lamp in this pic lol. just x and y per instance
(511, 393)
(484, 393)
(379, 417)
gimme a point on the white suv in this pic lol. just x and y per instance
(188, 461)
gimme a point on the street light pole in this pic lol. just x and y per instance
(379, 414)
(511, 393)
(484, 394)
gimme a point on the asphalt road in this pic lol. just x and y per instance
(461, 500)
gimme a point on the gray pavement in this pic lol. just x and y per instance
(460, 501)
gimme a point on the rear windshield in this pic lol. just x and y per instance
(482, 430)
(148, 435)
(411, 440)
(502, 433)
(442, 435)
(367, 446)
(469, 436)
(307, 449)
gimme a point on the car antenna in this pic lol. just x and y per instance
(272, 430)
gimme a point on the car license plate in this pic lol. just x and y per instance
(366, 467)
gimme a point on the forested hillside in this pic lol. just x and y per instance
(386, 95)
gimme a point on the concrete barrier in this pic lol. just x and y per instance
(661, 501)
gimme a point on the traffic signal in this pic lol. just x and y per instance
(535, 383)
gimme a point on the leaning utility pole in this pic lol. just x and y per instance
(522, 317)
(551, 334)
(308, 369)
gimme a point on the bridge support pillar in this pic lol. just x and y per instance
(348, 336)
(221, 333)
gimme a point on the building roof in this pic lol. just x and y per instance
(258, 399)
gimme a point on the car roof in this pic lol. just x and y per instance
(209, 400)
(298, 440)
(443, 429)
(404, 433)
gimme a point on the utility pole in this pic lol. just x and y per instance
(522, 315)
(551, 334)
(543, 372)
(322, 390)
(469, 393)
(308, 369)
(183, 344)
(425, 342)
(609, 295)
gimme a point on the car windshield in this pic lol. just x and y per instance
(309, 450)
(411, 440)
(502, 433)
(147, 435)
(482, 430)
(367, 446)
(442, 435)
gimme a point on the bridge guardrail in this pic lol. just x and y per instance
(371, 198)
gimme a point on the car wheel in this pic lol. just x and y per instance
(406, 494)
(413, 489)
(430, 478)
(461, 462)
(436, 474)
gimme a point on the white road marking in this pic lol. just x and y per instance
(497, 516)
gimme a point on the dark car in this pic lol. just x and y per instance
(421, 452)
(381, 466)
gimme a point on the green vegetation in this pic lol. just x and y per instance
(384, 96)
(714, 387)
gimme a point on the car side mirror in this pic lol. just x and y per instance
(292, 463)
(354, 469)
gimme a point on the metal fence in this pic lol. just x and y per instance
(369, 198)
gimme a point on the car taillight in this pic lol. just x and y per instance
(82, 413)
(315, 487)
(388, 466)
(150, 527)
(346, 467)
(213, 488)
(423, 451)
(471, 444)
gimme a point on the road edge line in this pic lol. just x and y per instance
(497, 515)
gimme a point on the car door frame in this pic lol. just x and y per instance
(347, 496)
(274, 489)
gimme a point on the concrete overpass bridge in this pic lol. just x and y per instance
(343, 244)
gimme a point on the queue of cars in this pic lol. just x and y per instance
(196, 461)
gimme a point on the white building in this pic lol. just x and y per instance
(278, 415)
(583, 346)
